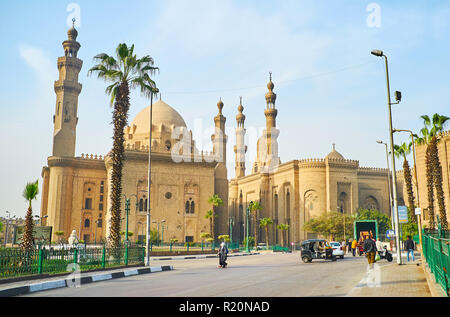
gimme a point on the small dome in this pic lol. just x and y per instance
(72, 34)
(335, 155)
(162, 114)
(270, 85)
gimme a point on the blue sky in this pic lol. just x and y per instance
(330, 89)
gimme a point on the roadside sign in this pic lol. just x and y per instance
(418, 211)
(402, 214)
(390, 233)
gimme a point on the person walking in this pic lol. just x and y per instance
(354, 245)
(409, 246)
(370, 248)
(223, 251)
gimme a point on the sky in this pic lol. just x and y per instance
(329, 88)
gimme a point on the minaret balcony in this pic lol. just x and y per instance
(69, 86)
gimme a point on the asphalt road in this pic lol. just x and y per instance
(264, 275)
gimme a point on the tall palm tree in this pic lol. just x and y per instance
(424, 139)
(438, 123)
(284, 228)
(404, 150)
(264, 223)
(123, 72)
(29, 193)
(216, 201)
(210, 216)
(255, 206)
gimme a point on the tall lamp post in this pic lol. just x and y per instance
(147, 244)
(127, 211)
(391, 137)
(389, 182)
(231, 222)
(7, 225)
(247, 214)
(419, 220)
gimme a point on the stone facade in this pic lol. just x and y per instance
(294, 192)
(76, 190)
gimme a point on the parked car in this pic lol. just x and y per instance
(261, 246)
(337, 249)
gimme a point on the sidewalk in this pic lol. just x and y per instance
(393, 280)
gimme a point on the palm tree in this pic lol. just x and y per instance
(30, 192)
(210, 215)
(437, 124)
(284, 228)
(216, 201)
(425, 140)
(255, 206)
(264, 223)
(124, 72)
(404, 150)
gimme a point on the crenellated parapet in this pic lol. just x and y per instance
(312, 163)
(372, 171)
(91, 157)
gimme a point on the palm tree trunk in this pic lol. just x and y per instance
(267, 236)
(409, 189)
(282, 238)
(430, 185)
(120, 116)
(437, 178)
(27, 238)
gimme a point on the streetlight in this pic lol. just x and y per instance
(231, 222)
(246, 227)
(398, 97)
(127, 211)
(417, 183)
(147, 245)
(7, 225)
(389, 182)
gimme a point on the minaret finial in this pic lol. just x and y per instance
(73, 22)
(334, 146)
(270, 75)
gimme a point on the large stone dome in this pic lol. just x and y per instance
(162, 114)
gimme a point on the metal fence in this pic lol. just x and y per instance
(436, 250)
(17, 262)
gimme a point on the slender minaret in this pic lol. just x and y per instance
(271, 133)
(240, 148)
(67, 90)
(219, 140)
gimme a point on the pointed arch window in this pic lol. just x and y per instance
(87, 223)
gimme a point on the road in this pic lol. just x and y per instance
(264, 275)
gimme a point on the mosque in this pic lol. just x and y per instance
(76, 190)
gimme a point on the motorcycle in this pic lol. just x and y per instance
(385, 254)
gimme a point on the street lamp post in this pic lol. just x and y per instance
(247, 213)
(419, 220)
(147, 244)
(127, 211)
(7, 226)
(163, 225)
(391, 137)
(389, 182)
(231, 222)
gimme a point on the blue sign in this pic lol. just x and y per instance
(390, 233)
(402, 214)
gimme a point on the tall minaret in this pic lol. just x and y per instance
(240, 148)
(271, 133)
(67, 90)
(219, 140)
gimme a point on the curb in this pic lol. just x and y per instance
(200, 257)
(43, 286)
